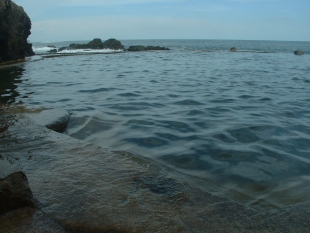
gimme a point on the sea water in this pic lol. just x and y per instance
(236, 124)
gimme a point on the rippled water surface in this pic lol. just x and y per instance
(237, 123)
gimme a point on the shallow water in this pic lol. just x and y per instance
(236, 123)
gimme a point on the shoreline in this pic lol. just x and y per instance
(116, 191)
(13, 62)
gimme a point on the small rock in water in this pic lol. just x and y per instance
(233, 49)
(298, 52)
(54, 119)
(15, 193)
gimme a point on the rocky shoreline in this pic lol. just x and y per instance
(50, 182)
(112, 44)
(80, 187)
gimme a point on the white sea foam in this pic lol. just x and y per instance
(82, 51)
(46, 49)
(40, 50)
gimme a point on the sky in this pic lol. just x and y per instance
(70, 20)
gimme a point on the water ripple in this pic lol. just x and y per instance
(239, 119)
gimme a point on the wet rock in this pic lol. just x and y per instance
(161, 185)
(62, 48)
(298, 52)
(136, 48)
(53, 51)
(15, 28)
(86, 188)
(54, 119)
(112, 44)
(15, 193)
(28, 220)
(98, 44)
(233, 49)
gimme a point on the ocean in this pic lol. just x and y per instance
(237, 124)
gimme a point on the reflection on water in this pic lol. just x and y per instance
(10, 77)
(240, 120)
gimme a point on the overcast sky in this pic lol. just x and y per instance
(64, 20)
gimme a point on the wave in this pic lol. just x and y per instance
(47, 49)
(91, 51)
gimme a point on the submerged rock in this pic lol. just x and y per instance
(15, 193)
(86, 188)
(15, 28)
(298, 52)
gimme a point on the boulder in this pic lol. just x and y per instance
(15, 28)
(298, 52)
(233, 49)
(54, 119)
(112, 44)
(53, 51)
(15, 193)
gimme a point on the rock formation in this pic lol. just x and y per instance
(15, 28)
(298, 52)
(97, 44)
(136, 48)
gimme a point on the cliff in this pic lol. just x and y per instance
(15, 28)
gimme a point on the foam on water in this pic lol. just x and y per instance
(46, 49)
(41, 50)
(85, 51)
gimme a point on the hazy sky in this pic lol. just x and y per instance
(63, 20)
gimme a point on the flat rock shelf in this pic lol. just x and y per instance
(85, 188)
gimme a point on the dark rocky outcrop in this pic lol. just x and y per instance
(15, 28)
(298, 52)
(94, 44)
(136, 48)
(98, 44)
(15, 193)
(233, 49)
(112, 44)
(53, 51)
